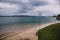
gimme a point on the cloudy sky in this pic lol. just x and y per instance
(30, 7)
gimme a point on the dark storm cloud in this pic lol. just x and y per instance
(38, 3)
(24, 7)
(28, 6)
(59, 2)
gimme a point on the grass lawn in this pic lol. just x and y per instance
(51, 32)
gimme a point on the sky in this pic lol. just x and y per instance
(29, 7)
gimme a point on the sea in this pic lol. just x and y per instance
(15, 23)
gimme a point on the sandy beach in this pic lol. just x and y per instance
(29, 34)
(26, 33)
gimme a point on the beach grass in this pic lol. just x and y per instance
(51, 32)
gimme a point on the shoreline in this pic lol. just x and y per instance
(47, 24)
(29, 33)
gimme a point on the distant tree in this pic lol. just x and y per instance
(54, 16)
(58, 17)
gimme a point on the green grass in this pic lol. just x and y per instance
(51, 32)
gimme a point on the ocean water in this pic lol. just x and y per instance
(18, 20)
(47, 19)
(10, 23)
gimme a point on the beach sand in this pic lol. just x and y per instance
(28, 34)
